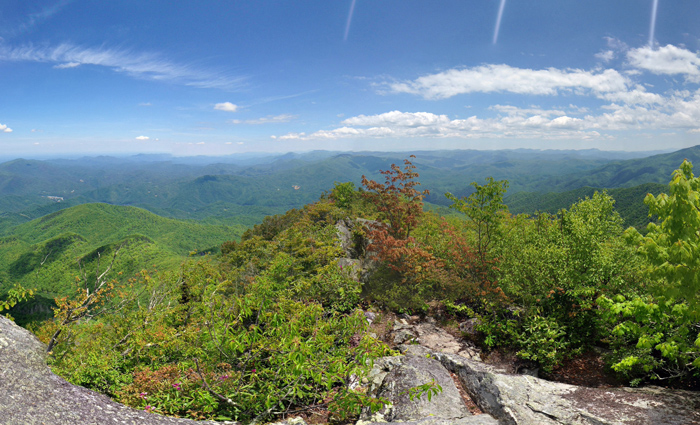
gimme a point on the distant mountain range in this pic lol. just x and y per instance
(242, 190)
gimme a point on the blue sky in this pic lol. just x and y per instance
(222, 77)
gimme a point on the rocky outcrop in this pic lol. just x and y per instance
(521, 399)
(429, 335)
(30, 394)
(510, 399)
(392, 377)
(359, 263)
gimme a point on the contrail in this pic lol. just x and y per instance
(653, 23)
(498, 21)
(347, 24)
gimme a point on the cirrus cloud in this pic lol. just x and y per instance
(270, 119)
(143, 65)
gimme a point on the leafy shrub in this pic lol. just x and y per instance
(544, 340)
(552, 269)
(652, 338)
(241, 350)
(344, 194)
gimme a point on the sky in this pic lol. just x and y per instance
(224, 77)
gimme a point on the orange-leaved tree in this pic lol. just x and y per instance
(397, 199)
(400, 206)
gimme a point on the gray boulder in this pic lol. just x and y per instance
(30, 394)
(392, 377)
(360, 262)
(525, 400)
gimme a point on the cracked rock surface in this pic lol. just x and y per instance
(525, 400)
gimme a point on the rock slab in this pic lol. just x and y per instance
(392, 377)
(525, 400)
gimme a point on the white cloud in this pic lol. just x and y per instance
(398, 118)
(200, 143)
(5, 129)
(67, 65)
(226, 106)
(505, 78)
(677, 110)
(638, 95)
(667, 60)
(270, 119)
(292, 136)
(142, 138)
(148, 66)
(145, 104)
(605, 56)
(512, 110)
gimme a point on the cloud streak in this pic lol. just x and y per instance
(35, 19)
(147, 66)
(270, 119)
(498, 21)
(652, 24)
(349, 21)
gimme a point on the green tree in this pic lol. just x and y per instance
(552, 269)
(655, 336)
(673, 246)
(483, 207)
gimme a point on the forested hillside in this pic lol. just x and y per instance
(628, 201)
(48, 253)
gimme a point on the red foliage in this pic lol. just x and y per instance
(401, 204)
(397, 198)
(471, 273)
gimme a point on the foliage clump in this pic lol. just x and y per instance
(655, 333)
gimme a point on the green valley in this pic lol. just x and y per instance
(48, 253)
